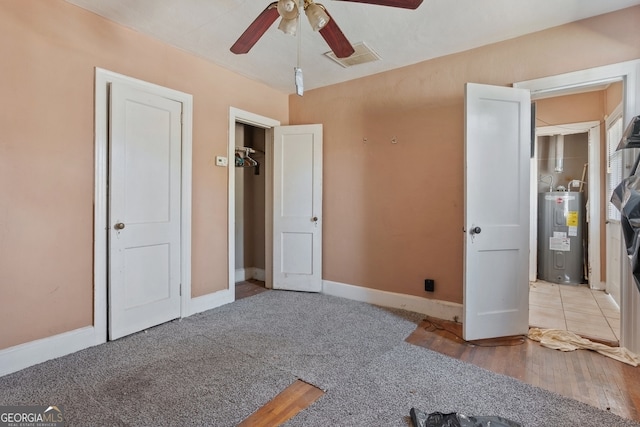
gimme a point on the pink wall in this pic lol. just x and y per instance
(582, 107)
(49, 50)
(613, 97)
(393, 213)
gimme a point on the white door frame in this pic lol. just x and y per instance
(237, 115)
(103, 78)
(614, 291)
(629, 73)
(593, 191)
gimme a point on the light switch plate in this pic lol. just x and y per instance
(221, 161)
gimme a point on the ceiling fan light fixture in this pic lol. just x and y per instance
(289, 26)
(288, 9)
(318, 18)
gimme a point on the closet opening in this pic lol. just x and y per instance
(250, 201)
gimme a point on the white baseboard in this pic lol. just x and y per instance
(247, 273)
(434, 308)
(209, 301)
(258, 274)
(22, 356)
(241, 274)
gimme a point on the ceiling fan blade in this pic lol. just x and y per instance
(257, 28)
(406, 4)
(336, 39)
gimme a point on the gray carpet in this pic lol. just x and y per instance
(218, 367)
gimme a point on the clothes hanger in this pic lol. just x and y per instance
(239, 160)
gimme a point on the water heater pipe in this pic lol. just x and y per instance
(559, 152)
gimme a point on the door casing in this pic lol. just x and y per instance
(237, 115)
(103, 78)
(629, 73)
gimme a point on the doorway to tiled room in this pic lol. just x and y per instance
(572, 260)
(578, 309)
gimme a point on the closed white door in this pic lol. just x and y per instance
(297, 208)
(144, 210)
(496, 250)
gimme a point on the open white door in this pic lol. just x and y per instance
(496, 250)
(144, 210)
(297, 208)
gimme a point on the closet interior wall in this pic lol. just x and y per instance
(250, 206)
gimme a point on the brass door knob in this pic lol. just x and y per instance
(119, 226)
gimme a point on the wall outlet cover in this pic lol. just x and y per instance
(429, 285)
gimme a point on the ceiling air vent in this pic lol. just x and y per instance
(362, 55)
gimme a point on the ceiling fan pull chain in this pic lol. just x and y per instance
(298, 70)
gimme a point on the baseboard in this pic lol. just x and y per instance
(258, 274)
(435, 308)
(209, 301)
(241, 274)
(22, 356)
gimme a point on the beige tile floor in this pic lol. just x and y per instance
(592, 314)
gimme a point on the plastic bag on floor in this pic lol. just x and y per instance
(626, 197)
(438, 419)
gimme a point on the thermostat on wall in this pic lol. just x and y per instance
(221, 161)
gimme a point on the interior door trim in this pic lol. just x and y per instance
(103, 78)
(629, 73)
(237, 115)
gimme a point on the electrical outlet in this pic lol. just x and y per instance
(429, 285)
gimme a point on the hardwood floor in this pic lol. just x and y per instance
(284, 406)
(582, 375)
(249, 288)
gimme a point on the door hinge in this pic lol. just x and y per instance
(180, 289)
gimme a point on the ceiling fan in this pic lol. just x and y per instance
(318, 17)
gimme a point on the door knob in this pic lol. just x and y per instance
(476, 230)
(119, 226)
(314, 219)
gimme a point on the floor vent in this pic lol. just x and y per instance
(362, 55)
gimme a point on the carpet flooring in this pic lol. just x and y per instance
(218, 367)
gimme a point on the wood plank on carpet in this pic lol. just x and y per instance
(284, 406)
(582, 375)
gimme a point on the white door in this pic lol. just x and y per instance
(144, 210)
(496, 249)
(297, 208)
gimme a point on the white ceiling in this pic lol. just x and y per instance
(401, 37)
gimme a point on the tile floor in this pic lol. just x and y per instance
(591, 314)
